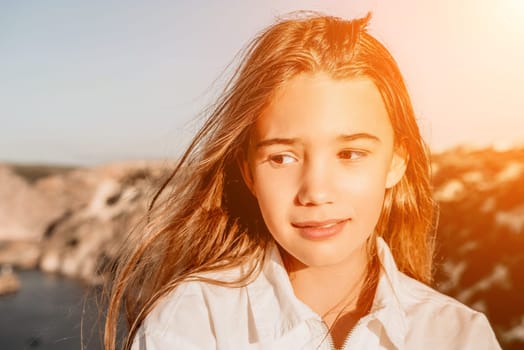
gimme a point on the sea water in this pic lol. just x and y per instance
(50, 312)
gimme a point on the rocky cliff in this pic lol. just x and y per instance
(71, 222)
(480, 238)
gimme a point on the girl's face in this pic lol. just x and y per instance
(320, 160)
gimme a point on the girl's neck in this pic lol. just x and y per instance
(340, 294)
(328, 288)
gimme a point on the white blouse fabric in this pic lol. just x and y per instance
(266, 314)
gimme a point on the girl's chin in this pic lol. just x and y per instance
(337, 255)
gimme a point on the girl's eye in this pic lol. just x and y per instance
(282, 159)
(351, 154)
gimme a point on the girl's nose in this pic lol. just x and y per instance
(316, 186)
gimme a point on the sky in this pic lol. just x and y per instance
(90, 82)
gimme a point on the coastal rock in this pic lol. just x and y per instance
(9, 282)
(20, 254)
(68, 221)
(80, 242)
(480, 237)
(25, 211)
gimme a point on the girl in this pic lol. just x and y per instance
(300, 217)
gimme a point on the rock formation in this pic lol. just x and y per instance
(9, 282)
(25, 211)
(480, 238)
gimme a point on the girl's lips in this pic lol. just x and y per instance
(318, 230)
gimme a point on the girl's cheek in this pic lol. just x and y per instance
(276, 182)
(363, 183)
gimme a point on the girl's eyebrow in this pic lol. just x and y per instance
(291, 141)
(358, 136)
(276, 141)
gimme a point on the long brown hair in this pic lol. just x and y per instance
(204, 218)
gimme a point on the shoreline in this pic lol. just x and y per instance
(9, 281)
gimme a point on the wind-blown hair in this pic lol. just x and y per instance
(209, 220)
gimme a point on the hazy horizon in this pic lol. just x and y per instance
(85, 83)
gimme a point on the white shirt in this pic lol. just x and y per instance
(266, 314)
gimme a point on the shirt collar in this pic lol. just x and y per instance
(272, 290)
(275, 307)
(387, 305)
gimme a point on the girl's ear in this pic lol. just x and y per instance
(245, 171)
(397, 167)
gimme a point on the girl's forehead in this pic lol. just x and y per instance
(318, 104)
(323, 93)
